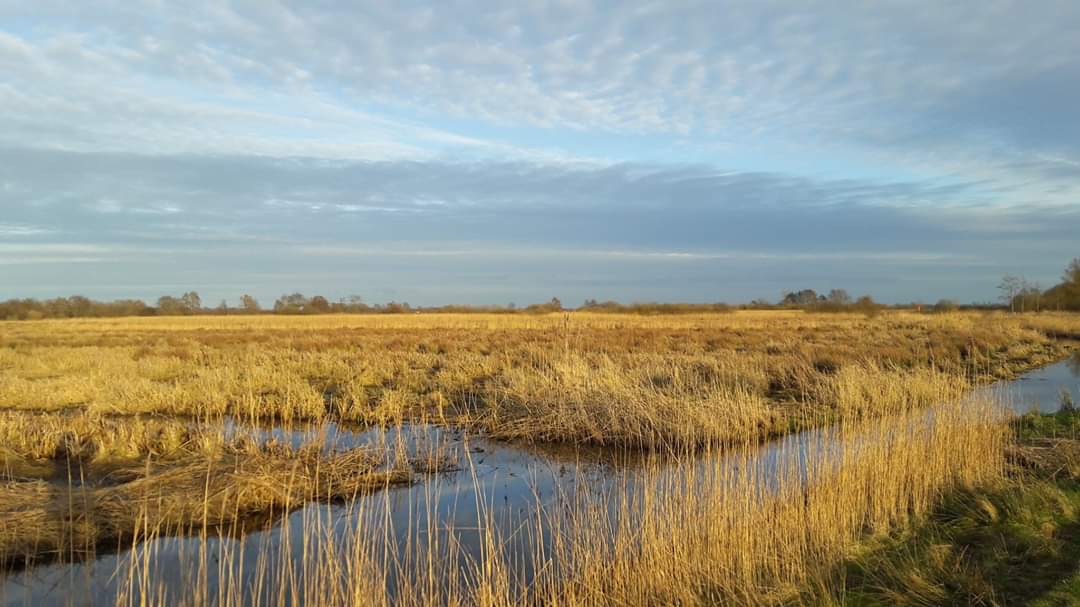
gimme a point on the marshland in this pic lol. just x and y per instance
(559, 302)
(739, 457)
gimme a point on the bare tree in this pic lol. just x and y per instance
(1010, 287)
(839, 297)
(192, 301)
(1030, 296)
(249, 304)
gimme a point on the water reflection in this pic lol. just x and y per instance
(1042, 389)
(1073, 363)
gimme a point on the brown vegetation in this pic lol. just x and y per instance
(74, 484)
(599, 378)
(111, 431)
(712, 529)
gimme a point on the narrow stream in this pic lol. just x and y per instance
(506, 481)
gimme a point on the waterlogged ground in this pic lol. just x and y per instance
(508, 483)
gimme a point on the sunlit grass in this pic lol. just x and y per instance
(712, 529)
(642, 380)
(112, 433)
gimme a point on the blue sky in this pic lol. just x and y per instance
(477, 152)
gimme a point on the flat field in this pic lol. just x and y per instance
(600, 378)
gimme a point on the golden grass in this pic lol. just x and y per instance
(600, 378)
(705, 388)
(76, 484)
(717, 539)
(42, 521)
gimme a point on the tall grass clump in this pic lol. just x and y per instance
(652, 404)
(747, 533)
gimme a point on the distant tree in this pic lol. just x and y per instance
(223, 307)
(317, 305)
(394, 307)
(1010, 287)
(79, 306)
(168, 305)
(1066, 294)
(124, 307)
(805, 297)
(354, 304)
(1029, 298)
(867, 306)
(1072, 272)
(946, 305)
(552, 306)
(839, 297)
(191, 301)
(1070, 286)
(249, 304)
(290, 304)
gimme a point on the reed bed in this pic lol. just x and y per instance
(714, 528)
(75, 485)
(596, 378)
(112, 434)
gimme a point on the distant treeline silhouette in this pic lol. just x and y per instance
(1017, 295)
(191, 304)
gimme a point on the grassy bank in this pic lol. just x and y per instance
(1013, 542)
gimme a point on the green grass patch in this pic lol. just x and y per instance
(1017, 543)
(1063, 424)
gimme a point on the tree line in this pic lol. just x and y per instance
(1020, 295)
(191, 304)
(1017, 295)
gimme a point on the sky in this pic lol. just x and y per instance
(487, 153)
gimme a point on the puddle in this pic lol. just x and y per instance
(505, 482)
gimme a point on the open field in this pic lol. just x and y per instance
(606, 379)
(120, 432)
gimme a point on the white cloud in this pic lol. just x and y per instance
(56, 260)
(53, 248)
(8, 229)
(285, 78)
